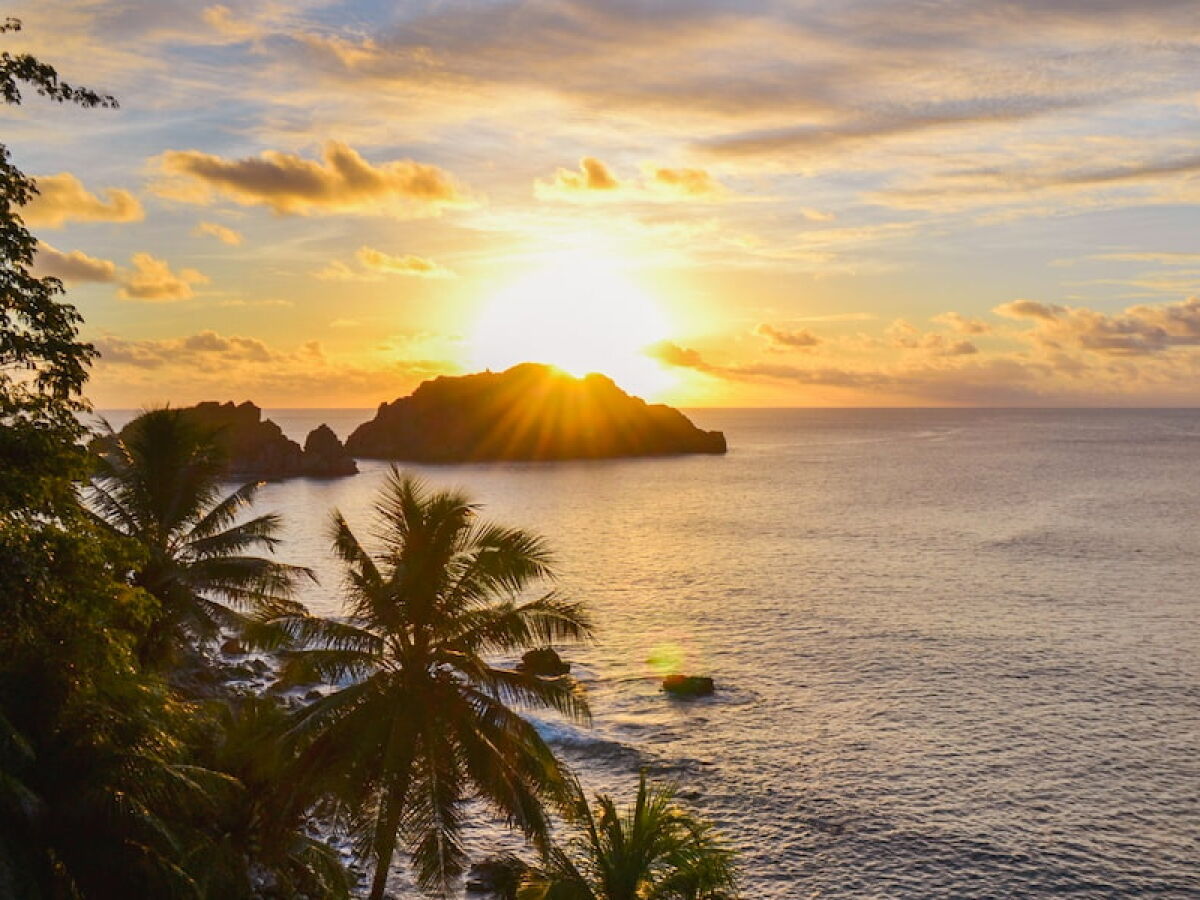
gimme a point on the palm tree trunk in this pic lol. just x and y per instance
(385, 840)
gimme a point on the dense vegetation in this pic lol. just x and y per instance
(129, 769)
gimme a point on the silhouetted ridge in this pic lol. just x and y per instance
(258, 448)
(529, 412)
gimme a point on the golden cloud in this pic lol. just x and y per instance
(201, 366)
(73, 266)
(1144, 330)
(341, 182)
(782, 338)
(222, 233)
(904, 335)
(152, 279)
(62, 198)
(594, 181)
(375, 264)
(690, 184)
(408, 264)
(962, 324)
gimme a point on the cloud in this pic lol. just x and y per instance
(62, 198)
(962, 324)
(336, 270)
(152, 279)
(341, 182)
(75, 266)
(207, 351)
(595, 181)
(1029, 309)
(690, 184)
(149, 278)
(906, 336)
(1144, 330)
(222, 233)
(375, 264)
(408, 264)
(203, 365)
(672, 354)
(779, 337)
(223, 21)
(593, 175)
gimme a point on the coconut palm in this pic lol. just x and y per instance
(158, 482)
(652, 851)
(423, 721)
(266, 823)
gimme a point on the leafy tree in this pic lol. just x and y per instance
(100, 793)
(264, 824)
(157, 483)
(43, 364)
(422, 721)
(652, 851)
(95, 789)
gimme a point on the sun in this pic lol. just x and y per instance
(581, 313)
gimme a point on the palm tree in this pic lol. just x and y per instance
(652, 851)
(158, 482)
(422, 721)
(266, 822)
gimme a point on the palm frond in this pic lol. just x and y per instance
(509, 627)
(224, 513)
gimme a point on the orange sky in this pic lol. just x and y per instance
(717, 203)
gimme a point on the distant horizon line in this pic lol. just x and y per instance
(1195, 408)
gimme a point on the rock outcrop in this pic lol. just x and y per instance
(688, 685)
(529, 412)
(545, 662)
(258, 448)
(497, 876)
(324, 455)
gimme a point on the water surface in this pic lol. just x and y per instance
(956, 651)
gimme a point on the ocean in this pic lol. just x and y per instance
(955, 650)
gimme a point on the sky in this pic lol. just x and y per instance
(717, 203)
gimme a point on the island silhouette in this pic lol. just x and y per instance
(531, 411)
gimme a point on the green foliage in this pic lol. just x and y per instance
(157, 484)
(652, 851)
(110, 785)
(425, 722)
(43, 364)
(88, 744)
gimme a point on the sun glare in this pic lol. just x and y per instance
(581, 314)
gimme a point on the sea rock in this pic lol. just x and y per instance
(324, 455)
(233, 647)
(529, 412)
(545, 662)
(497, 876)
(688, 685)
(257, 448)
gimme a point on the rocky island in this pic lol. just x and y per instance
(528, 412)
(258, 448)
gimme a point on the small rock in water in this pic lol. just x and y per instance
(233, 647)
(497, 876)
(314, 694)
(688, 685)
(544, 662)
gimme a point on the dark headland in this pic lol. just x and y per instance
(257, 448)
(528, 412)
